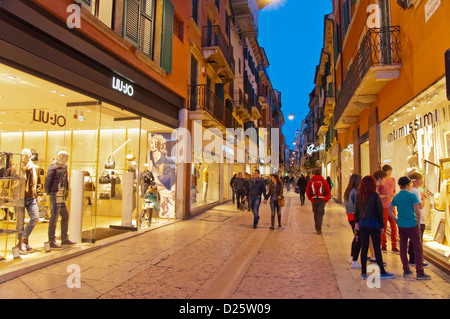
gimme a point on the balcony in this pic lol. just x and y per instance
(204, 105)
(330, 102)
(218, 53)
(256, 110)
(241, 109)
(377, 63)
(244, 14)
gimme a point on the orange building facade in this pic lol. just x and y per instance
(391, 105)
(109, 82)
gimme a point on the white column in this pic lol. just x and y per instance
(76, 205)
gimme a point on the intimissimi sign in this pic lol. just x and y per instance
(418, 123)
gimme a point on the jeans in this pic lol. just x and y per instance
(393, 224)
(33, 212)
(319, 212)
(255, 202)
(233, 194)
(275, 207)
(57, 210)
(413, 234)
(375, 234)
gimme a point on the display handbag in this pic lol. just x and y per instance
(281, 201)
(130, 156)
(34, 156)
(104, 196)
(110, 163)
(105, 178)
(89, 185)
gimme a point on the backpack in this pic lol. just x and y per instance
(317, 190)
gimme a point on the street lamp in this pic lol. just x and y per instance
(291, 116)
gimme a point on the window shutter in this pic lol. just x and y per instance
(195, 11)
(219, 91)
(344, 18)
(167, 36)
(131, 21)
(146, 27)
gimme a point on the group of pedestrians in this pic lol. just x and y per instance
(371, 202)
(249, 191)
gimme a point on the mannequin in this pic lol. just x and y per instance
(146, 179)
(32, 189)
(205, 182)
(195, 179)
(57, 187)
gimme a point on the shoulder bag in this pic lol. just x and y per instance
(105, 178)
(110, 163)
(281, 201)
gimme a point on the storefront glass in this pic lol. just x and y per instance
(113, 148)
(416, 139)
(346, 165)
(365, 159)
(205, 171)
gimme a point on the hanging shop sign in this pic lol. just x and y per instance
(313, 149)
(418, 123)
(122, 86)
(44, 117)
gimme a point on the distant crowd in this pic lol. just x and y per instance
(370, 202)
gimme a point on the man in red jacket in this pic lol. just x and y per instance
(318, 192)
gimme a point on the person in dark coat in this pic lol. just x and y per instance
(240, 189)
(301, 184)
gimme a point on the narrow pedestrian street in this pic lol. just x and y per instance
(218, 255)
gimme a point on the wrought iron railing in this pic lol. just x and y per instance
(380, 47)
(201, 98)
(212, 36)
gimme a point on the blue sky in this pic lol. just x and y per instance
(291, 33)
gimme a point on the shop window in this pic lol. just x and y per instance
(102, 9)
(127, 171)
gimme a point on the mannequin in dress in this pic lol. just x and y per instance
(57, 187)
(205, 182)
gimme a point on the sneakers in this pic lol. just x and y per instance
(356, 265)
(396, 251)
(424, 277)
(406, 274)
(383, 249)
(387, 275)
